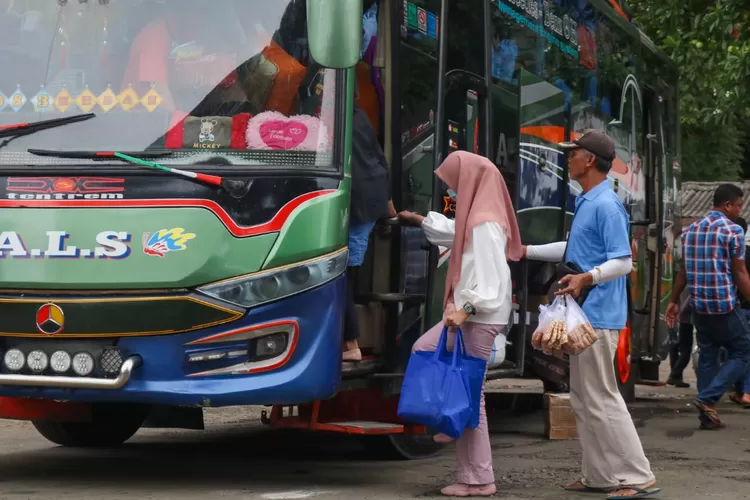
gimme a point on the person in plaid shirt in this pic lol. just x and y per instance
(713, 268)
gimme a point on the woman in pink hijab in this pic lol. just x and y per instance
(483, 236)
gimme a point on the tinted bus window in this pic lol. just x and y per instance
(541, 164)
(466, 36)
(420, 25)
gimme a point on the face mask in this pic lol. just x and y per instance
(452, 194)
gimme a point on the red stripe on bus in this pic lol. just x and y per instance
(274, 225)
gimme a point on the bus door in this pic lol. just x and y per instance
(663, 229)
(647, 229)
(411, 107)
(460, 123)
(465, 123)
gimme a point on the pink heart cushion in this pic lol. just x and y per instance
(272, 130)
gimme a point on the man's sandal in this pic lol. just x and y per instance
(639, 493)
(579, 487)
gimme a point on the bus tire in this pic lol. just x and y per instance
(107, 430)
(403, 446)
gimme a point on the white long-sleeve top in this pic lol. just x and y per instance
(554, 252)
(485, 276)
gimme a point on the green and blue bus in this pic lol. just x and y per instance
(175, 178)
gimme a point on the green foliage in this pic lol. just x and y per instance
(710, 42)
(711, 157)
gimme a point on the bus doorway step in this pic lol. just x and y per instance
(352, 369)
(358, 412)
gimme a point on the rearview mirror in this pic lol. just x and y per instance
(334, 32)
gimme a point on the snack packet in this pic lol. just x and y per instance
(581, 334)
(563, 328)
(550, 334)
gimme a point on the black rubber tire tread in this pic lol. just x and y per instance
(402, 446)
(112, 426)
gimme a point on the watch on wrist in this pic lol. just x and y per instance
(469, 308)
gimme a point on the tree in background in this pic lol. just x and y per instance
(710, 41)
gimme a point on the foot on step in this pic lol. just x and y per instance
(352, 355)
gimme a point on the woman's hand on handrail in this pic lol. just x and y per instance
(410, 218)
(392, 213)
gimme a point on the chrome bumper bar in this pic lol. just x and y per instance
(126, 370)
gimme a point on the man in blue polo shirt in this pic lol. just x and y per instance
(599, 243)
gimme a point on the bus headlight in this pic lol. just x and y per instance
(267, 286)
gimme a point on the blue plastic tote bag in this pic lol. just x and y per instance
(473, 371)
(438, 388)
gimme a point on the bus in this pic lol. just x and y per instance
(175, 183)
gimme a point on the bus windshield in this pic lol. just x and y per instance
(201, 79)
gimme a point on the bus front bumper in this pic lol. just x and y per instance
(183, 369)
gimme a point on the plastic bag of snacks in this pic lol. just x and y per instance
(581, 334)
(563, 328)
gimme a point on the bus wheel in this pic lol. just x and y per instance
(403, 446)
(112, 425)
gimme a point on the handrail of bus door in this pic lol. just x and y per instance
(522, 318)
(392, 297)
(644, 223)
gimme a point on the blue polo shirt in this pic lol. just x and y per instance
(601, 232)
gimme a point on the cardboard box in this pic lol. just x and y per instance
(559, 420)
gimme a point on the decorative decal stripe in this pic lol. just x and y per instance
(274, 225)
(232, 333)
(556, 135)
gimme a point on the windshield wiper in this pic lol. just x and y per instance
(97, 155)
(237, 189)
(21, 129)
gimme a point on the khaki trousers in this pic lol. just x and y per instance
(612, 451)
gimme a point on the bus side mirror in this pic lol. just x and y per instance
(334, 32)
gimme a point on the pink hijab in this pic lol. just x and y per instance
(482, 196)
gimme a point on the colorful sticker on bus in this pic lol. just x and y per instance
(164, 241)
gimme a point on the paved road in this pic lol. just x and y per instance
(237, 458)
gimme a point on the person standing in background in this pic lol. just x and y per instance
(599, 243)
(679, 354)
(713, 269)
(370, 200)
(741, 393)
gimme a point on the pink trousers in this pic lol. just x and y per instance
(473, 451)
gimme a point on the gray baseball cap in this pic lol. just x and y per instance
(593, 141)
